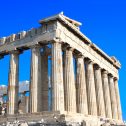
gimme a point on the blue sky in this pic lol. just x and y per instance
(104, 22)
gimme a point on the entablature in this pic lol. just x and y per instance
(62, 29)
(25, 39)
(88, 50)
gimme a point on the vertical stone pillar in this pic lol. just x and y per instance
(91, 95)
(81, 92)
(22, 105)
(69, 82)
(26, 104)
(35, 84)
(44, 92)
(113, 97)
(99, 91)
(13, 85)
(107, 101)
(57, 78)
(119, 110)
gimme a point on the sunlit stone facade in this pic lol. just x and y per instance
(84, 79)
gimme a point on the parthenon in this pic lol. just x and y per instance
(84, 79)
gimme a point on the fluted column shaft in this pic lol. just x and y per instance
(35, 84)
(27, 104)
(99, 91)
(13, 83)
(119, 110)
(44, 77)
(92, 105)
(113, 98)
(69, 82)
(81, 92)
(106, 91)
(57, 78)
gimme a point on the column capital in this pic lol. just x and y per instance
(79, 55)
(67, 47)
(46, 51)
(115, 79)
(35, 46)
(70, 49)
(110, 75)
(89, 61)
(97, 67)
(55, 41)
(15, 52)
(104, 71)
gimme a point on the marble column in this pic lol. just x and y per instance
(91, 95)
(99, 91)
(35, 84)
(106, 93)
(113, 97)
(13, 85)
(44, 92)
(119, 110)
(27, 104)
(22, 105)
(81, 93)
(57, 78)
(69, 81)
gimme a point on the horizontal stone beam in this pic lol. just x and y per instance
(25, 40)
(70, 38)
(59, 28)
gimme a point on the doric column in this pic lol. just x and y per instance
(119, 110)
(44, 92)
(91, 95)
(106, 91)
(57, 78)
(35, 84)
(81, 92)
(26, 104)
(113, 97)
(99, 91)
(22, 105)
(13, 83)
(69, 81)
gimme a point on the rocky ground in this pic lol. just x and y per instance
(56, 119)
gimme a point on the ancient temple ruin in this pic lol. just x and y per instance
(84, 79)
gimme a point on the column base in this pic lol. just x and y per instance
(57, 119)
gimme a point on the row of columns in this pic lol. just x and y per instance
(93, 92)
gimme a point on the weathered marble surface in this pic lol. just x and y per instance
(73, 92)
(13, 83)
(56, 119)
